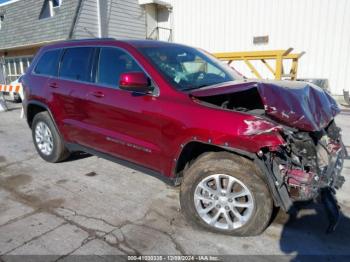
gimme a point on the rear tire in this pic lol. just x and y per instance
(241, 188)
(47, 140)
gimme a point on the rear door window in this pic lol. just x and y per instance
(112, 63)
(76, 64)
(48, 63)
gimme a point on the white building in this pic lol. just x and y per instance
(321, 28)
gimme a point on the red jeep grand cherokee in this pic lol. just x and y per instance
(237, 147)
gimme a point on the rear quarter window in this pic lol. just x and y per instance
(77, 64)
(48, 63)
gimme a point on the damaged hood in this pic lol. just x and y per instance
(301, 105)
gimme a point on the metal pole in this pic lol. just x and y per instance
(2, 72)
(3, 106)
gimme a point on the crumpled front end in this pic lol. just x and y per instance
(307, 167)
(308, 164)
(311, 161)
(296, 104)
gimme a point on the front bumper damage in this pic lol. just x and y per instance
(307, 168)
(306, 162)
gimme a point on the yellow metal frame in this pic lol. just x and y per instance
(277, 55)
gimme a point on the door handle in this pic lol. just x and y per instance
(53, 85)
(98, 94)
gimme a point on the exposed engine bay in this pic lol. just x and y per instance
(310, 161)
(309, 165)
(244, 101)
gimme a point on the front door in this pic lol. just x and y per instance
(121, 123)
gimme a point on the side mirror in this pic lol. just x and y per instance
(135, 81)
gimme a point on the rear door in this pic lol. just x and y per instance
(69, 90)
(45, 69)
(121, 123)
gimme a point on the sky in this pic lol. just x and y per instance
(3, 1)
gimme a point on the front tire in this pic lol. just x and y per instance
(47, 140)
(225, 193)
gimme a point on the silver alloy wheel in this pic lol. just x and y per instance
(223, 201)
(43, 138)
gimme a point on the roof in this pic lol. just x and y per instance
(151, 43)
(22, 26)
(111, 41)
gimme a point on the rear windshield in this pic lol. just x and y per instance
(187, 68)
(48, 63)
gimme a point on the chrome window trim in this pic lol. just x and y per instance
(155, 92)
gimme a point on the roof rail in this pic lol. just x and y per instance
(89, 39)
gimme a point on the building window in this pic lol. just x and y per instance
(49, 9)
(2, 17)
(56, 3)
(14, 67)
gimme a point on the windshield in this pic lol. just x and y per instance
(188, 68)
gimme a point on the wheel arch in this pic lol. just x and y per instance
(35, 107)
(194, 148)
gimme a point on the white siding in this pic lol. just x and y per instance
(119, 19)
(319, 27)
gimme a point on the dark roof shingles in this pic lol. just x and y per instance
(22, 26)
